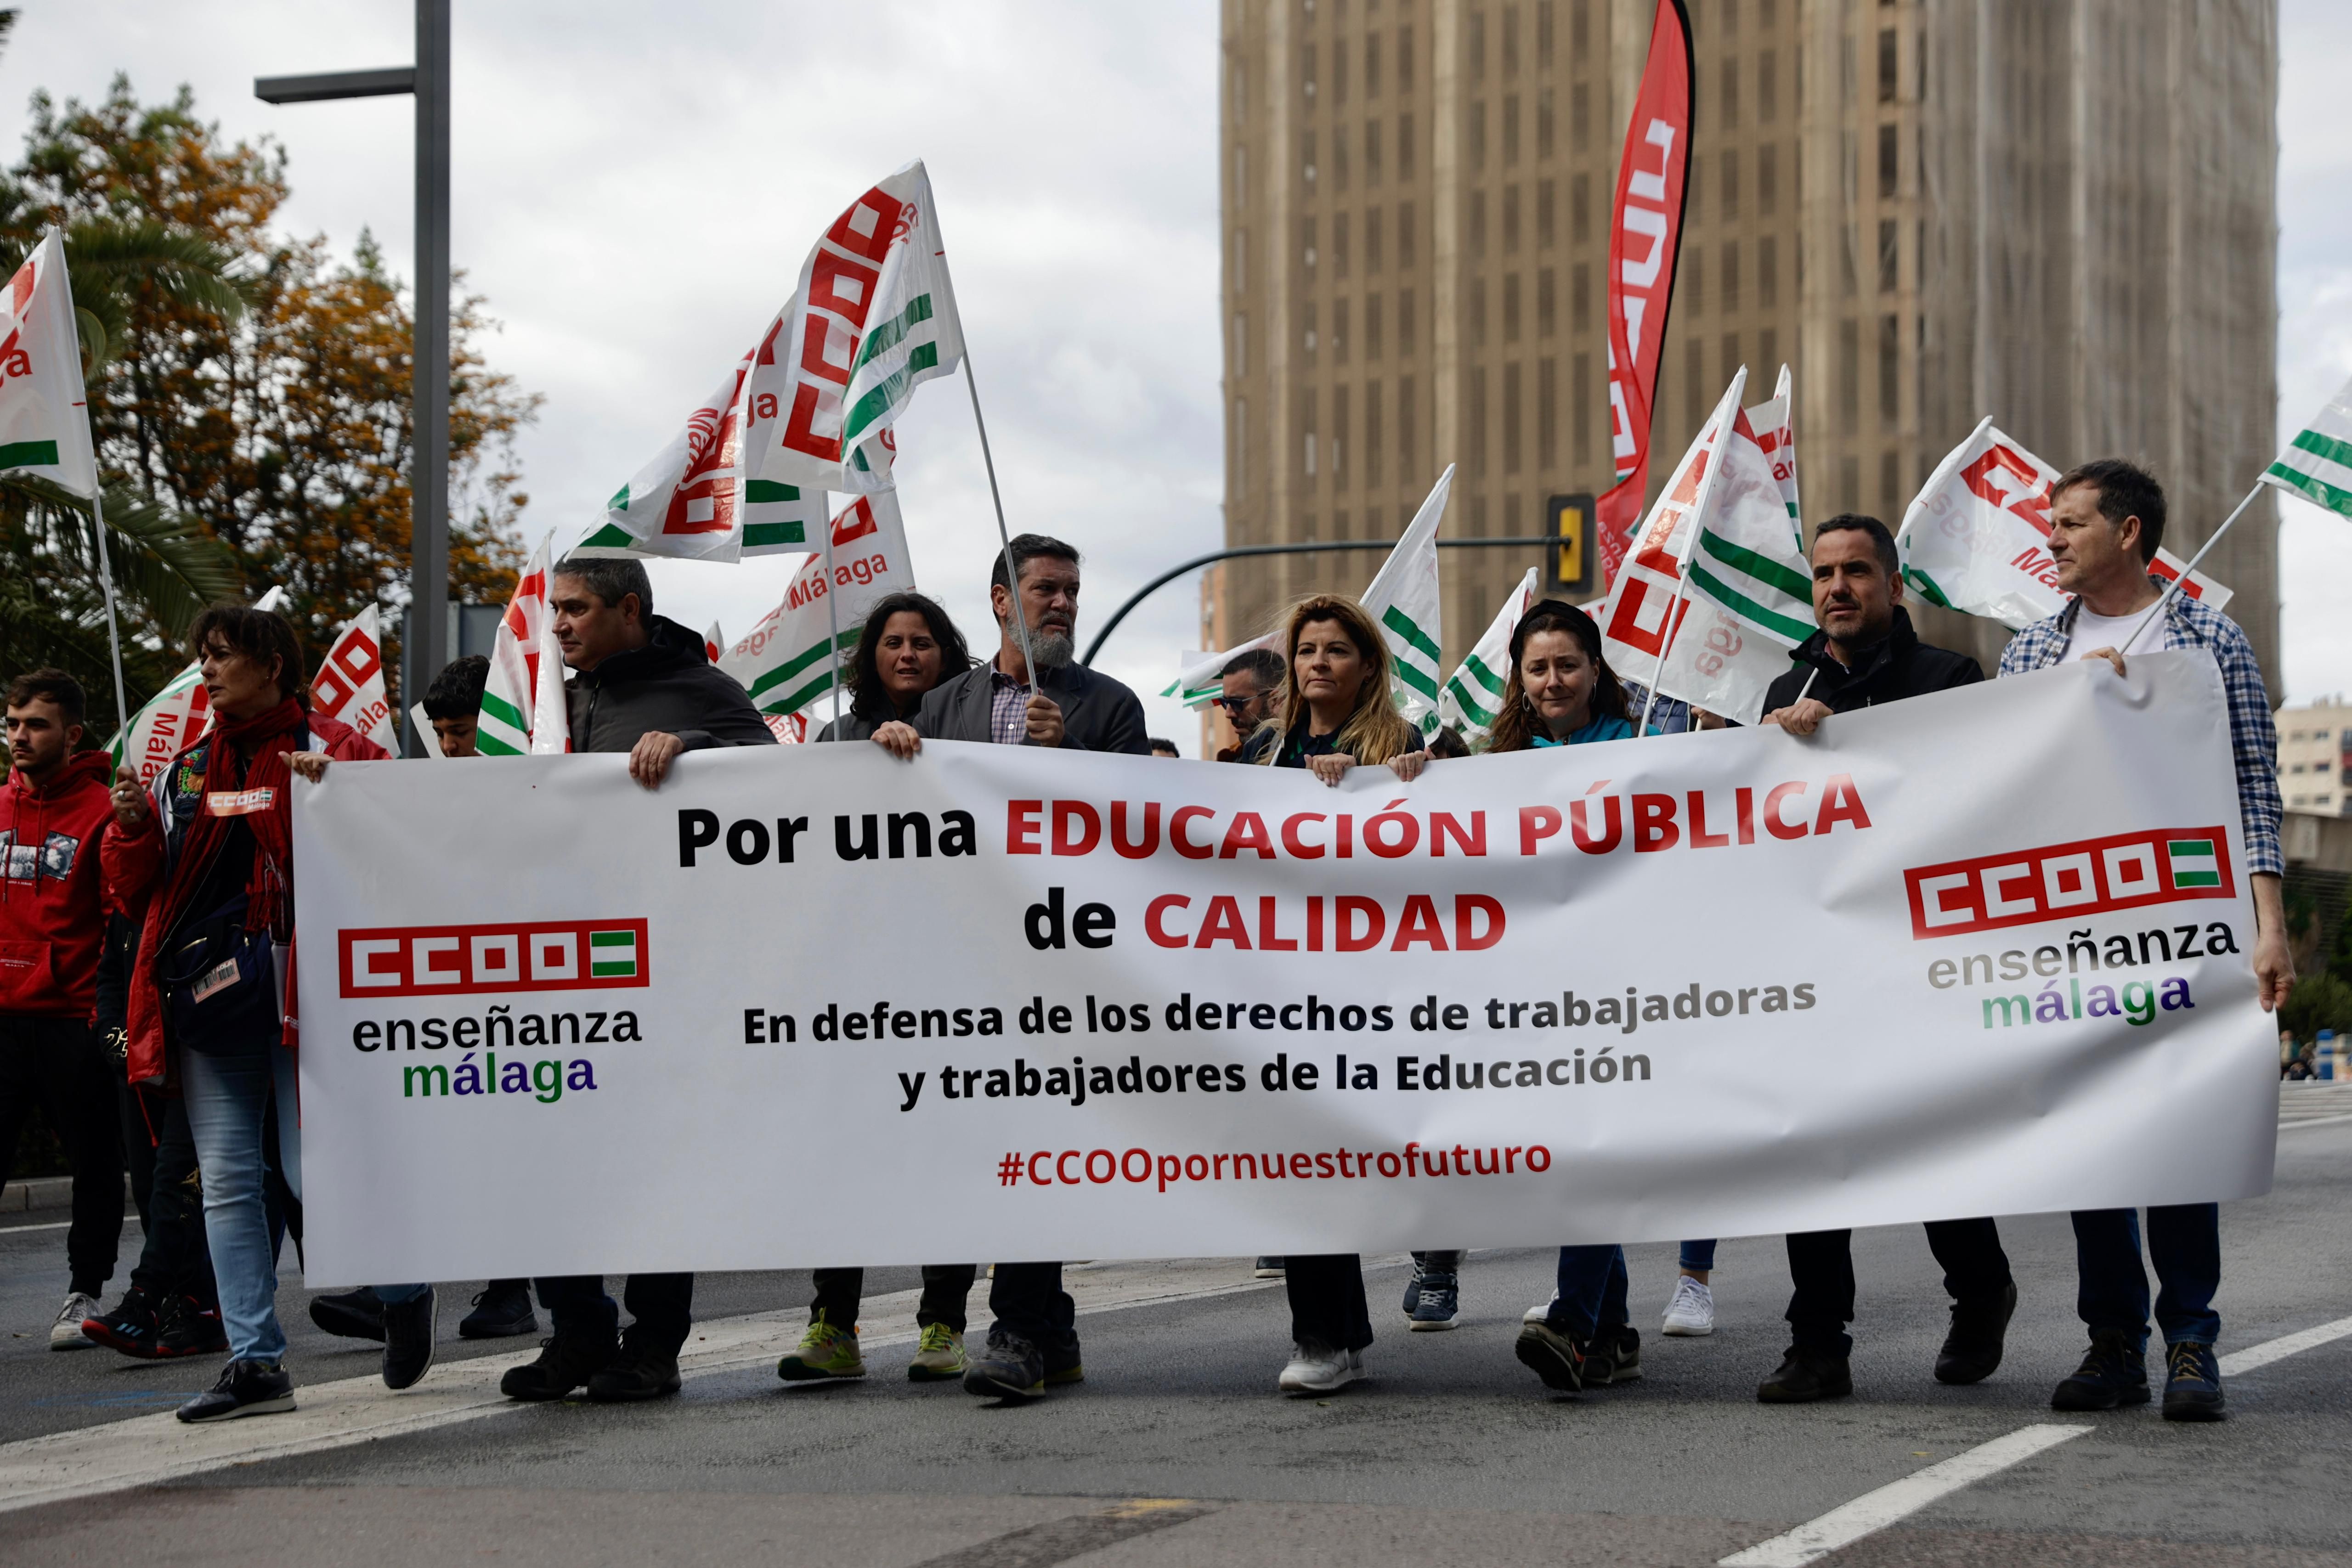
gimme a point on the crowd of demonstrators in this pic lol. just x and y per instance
(146, 1004)
(1866, 654)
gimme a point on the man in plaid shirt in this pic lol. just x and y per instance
(2106, 520)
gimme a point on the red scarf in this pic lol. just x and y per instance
(269, 903)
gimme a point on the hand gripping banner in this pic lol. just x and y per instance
(1983, 952)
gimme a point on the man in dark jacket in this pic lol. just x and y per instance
(1034, 1340)
(645, 685)
(1866, 654)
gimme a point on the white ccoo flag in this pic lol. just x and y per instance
(44, 416)
(1976, 537)
(785, 661)
(1473, 698)
(2317, 463)
(350, 682)
(523, 711)
(874, 316)
(1403, 601)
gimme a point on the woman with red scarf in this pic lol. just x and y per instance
(206, 862)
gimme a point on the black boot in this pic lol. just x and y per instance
(639, 1371)
(350, 1314)
(409, 1330)
(1804, 1377)
(1972, 1350)
(2113, 1373)
(565, 1361)
(500, 1311)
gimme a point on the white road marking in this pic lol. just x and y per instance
(18, 1229)
(1875, 1510)
(2258, 1355)
(146, 1449)
(2315, 1121)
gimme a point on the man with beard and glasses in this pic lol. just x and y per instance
(1034, 1340)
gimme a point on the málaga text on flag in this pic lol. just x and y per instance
(874, 316)
(523, 710)
(1976, 537)
(2317, 463)
(1402, 599)
(175, 715)
(1646, 240)
(44, 417)
(1473, 697)
(349, 685)
(786, 661)
(1750, 587)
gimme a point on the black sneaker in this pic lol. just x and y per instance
(1064, 1367)
(1614, 1356)
(351, 1314)
(2192, 1383)
(2113, 1373)
(1413, 1288)
(501, 1311)
(410, 1328)
(638, 1371)
(1803, 1377)
(191, 1327)
(1556, 1356)
(1010, 1368)
(133, 1328)
(565, 1361)
(246, 1388)
(1972, 1350)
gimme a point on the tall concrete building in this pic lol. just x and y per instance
(2058, 213)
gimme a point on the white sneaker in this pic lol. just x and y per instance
(1690, 1313)
(1318, 1369)
(1539, 1312)
(65, 1333)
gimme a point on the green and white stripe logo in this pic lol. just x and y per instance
(2194, 862)
(613, 954)
(1768, 593)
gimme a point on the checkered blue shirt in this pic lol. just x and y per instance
(2254, 737)
(1008, 709)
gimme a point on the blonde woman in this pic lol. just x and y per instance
(1334, 715)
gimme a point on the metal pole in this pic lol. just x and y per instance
(428, 559)
(113, 627)
(2174, 586)
(1012, 568)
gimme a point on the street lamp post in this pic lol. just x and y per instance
(428, 546)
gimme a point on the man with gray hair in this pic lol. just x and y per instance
(644, 685)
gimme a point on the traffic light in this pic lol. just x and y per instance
(1569, 520)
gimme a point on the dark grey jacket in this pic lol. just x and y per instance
(668, 685)
(1098, 714)
(849, 727)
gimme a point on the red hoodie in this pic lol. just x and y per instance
(50, 919)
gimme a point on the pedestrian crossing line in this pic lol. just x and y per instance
(1874, 1510)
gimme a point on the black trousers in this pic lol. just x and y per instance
(1326, 1300)
(164, 1182)
(1820, 1266)
(662, 1306)
(946, 1288)
(1027, 1298)
(57, 1065)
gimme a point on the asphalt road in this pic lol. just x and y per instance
(1177, 1450)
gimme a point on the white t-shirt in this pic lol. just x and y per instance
(2092, 633)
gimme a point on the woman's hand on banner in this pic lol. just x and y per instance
(310, 765)
(1331, 766)
(1408, 766)
(650, 759)
(899, 739)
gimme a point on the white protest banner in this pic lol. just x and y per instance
(1979, 952)
(784, 661)
(349, 685)
(1473, 697)
(175, 715)
(1975, 538)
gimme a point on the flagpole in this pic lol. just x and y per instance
(832, 615)
(2174, 586)
(1011, 567)
(114, 629)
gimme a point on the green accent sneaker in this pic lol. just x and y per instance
(938, 1355)
(825, 1352)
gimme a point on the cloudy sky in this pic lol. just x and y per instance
(636, 186)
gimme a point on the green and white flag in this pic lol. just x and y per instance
(1404, 600)
(1473, 698)
(1776, 433)
(2317, 463)
(786, 660)
(523, 710)
(44, 415)
(2195, 863)
(874, 316)
(1201, 679)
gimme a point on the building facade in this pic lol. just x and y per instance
(2315, 757)
(2058, 213)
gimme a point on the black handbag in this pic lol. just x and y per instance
(221, 984)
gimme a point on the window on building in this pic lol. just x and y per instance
(1404, 146)
(1890, 373)
(1768, 179)
(1372, 240)
(1768, 271)
(1580, 209)
(1547, 229)
(1731, 361)
(1580, 116)
(1580, 391)
(1888, 72)
(1371, 326)
(1510, 219)
(1510, 129)
(1729, 182)
(1511, 431)
(1548, 415)
(1478, 134)
(1339, 332)
(1889, 161)
(1406, 233)
(1510, 308)
(1889, 247)
(1404, 57)
(1372, 433)
(1730, 93)
(1695, 401)
(1849, 385)
(1408, 340)
(1241, 345)
(1546, 311)
(1579, 299)
(1544, 140)
(1543, 32)
(1371, 65)
(1768, 88)
(1728, 277)
(1372, 153)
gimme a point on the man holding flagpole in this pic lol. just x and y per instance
(2107, 519)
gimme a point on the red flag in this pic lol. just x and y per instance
(1645, 238)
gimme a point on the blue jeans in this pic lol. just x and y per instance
(1591, 1290)
(229, 1098)
(1698, 1256)
(2184, 1242)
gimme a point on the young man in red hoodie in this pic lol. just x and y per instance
(53, 813)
